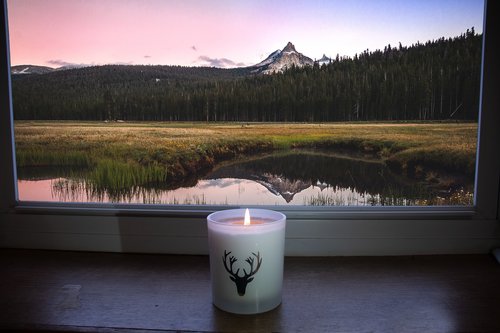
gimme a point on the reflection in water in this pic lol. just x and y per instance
(297, 178)
(290, 174)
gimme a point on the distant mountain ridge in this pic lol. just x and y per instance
(31, 69)
(277, 62)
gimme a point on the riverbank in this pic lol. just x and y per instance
(123, 155)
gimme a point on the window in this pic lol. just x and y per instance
(310, 231)
(277, 123)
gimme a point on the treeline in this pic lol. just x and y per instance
(439, 79)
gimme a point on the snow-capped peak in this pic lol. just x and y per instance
(324, 60)
(270, 58)
(30, 69)
(279, 61)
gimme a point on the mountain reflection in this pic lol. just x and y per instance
(289, 174)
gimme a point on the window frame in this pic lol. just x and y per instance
(310, 230)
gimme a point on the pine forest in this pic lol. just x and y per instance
(435, 80)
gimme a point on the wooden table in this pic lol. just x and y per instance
(106, 292)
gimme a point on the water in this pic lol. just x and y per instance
(293, 178)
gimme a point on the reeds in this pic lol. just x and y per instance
(119, 176)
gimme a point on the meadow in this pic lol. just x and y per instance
(121, 155)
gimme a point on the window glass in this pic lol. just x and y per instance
(225, 102)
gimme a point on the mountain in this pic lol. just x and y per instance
(279, 61)
(31, 69)
(324, 60)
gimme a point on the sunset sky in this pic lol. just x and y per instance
(222, 33)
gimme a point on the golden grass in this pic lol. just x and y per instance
(192, 145)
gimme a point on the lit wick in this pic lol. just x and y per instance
(247, 217)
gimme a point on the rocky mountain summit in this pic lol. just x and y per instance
(280, 60)
(324, 60)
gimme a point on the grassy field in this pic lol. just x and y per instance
(121, 155)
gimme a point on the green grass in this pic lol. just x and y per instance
(121, 176)
(124, 155)
(38, 157)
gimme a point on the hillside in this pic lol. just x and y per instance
(30, 69)
(435, 80)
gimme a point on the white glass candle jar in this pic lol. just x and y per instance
(246, 260)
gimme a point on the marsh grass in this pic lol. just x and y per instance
(460, 197)
(124, 155)
(43, 158)
(120, 176)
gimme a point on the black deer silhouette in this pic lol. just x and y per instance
(242, 281)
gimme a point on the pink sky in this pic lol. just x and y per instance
(191, 32)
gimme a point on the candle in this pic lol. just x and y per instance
(246, 259)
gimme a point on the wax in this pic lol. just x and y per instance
(246, 261)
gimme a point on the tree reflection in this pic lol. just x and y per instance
(298, 177)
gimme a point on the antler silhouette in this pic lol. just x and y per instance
(250, 260)
(232, 260)
(241, 281)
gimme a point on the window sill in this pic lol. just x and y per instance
(96, 292)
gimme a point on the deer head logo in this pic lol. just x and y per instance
(242, 281)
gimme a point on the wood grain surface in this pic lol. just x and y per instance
(107, 292)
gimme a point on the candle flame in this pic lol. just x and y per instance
(247, 217)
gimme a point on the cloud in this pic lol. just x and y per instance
(62, 63)
(67, 64)
(218, 62)
(118, 63)
(194, 48)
